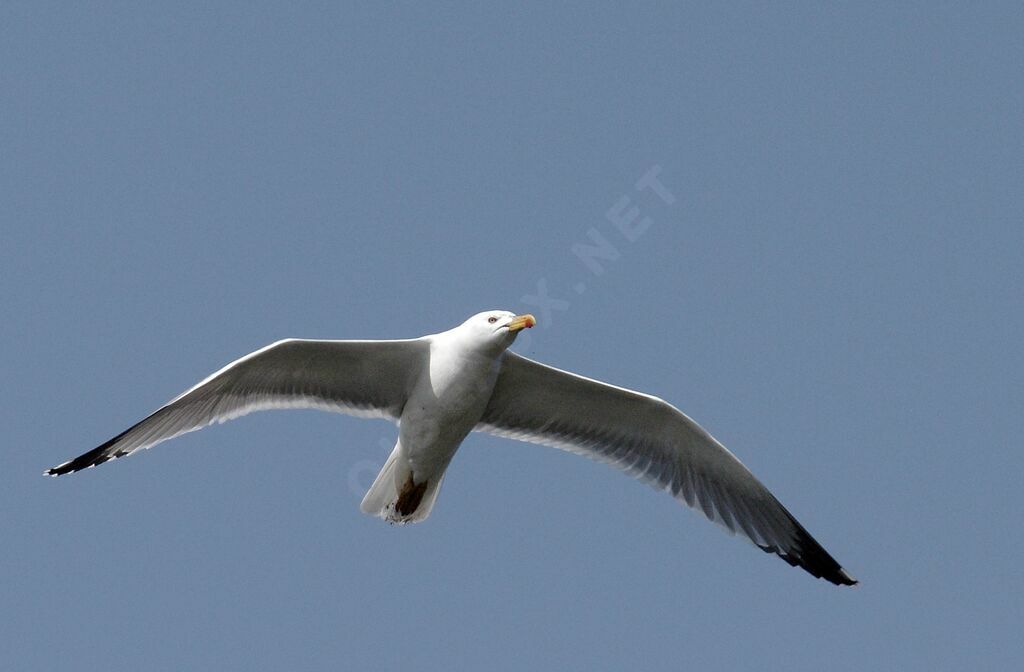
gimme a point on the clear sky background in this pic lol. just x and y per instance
(835, 292)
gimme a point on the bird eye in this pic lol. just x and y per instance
(492, 319)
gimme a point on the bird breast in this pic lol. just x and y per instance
(461, 381)
(446, 404)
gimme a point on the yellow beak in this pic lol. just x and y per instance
(520, 322)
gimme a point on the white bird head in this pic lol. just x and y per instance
(495, 327)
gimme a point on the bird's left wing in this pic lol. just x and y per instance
(654, 442)
(364, 378)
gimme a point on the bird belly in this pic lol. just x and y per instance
(440, 413)
(430, 440)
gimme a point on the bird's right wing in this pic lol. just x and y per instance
(654, 442)
(364, 378)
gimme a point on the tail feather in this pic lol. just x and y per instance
(396, 497)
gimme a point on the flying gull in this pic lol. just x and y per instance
(441, 387)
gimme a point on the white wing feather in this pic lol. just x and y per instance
(363, 378)
(654, 442)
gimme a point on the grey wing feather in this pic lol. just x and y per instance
(363, 378)
(654, 442)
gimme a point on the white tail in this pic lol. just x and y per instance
(395, 497)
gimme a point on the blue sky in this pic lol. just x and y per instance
(834, 292)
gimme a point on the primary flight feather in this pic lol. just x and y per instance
(441, 387)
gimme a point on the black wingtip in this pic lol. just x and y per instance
(837, 576)
(815, 560)
(846, 579)
(827, 568)
(84, 461)
(94, 457)
(807, 554)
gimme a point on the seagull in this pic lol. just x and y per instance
(441, 387)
